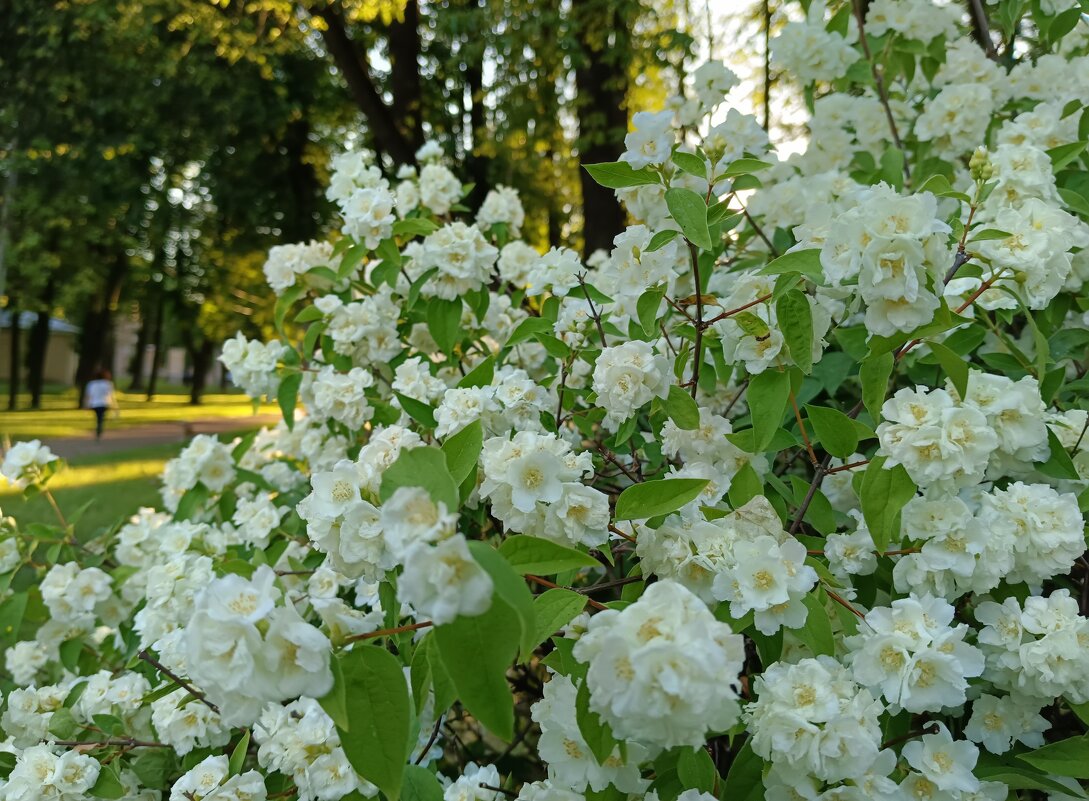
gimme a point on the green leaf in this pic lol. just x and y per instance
(595, 731)
(1075, 201)
(834, 429)
(284, 304)
(444, 322)
(939, 185)
(481, 375)
(744, 486)
(682, 409)
(420, 784)
(696, 770)
(954, 366)
(421, 467)
(379, 717)
(62, 724)
(1064, 154)
(153, 767)
(892, 167)
(691, 163)
(655, 498)
(745, 781)
(806, 262)
(238, 755)
(509, 586)
(192, 502)
(619, 174)
(462, 451)
(744, 166)
(1068, 757)
(690, 211)
(883, 494)
(752, 324)
(660, 240)
(414, 226)
(287, 396)
(334, 702)
(476, 652)
(795, 319)
(535, 555)
(767, 395)
(419, 411)
(817, 631)
(556, 608)
(986, 234)
(874, 374)
(1059, 464)
(108, 784)
(647, 309)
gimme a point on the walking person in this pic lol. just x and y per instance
(99, 398)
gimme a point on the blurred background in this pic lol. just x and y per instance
(151, 151)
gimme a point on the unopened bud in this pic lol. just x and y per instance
(980, 165)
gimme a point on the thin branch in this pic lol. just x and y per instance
(387, 632)
(879, 81)
(189, 688)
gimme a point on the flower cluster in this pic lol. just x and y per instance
(787, 486)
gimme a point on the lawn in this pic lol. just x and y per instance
(114, 485)
(59, 417)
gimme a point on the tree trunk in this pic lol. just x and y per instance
(404, 77)
(767, 65)
(202, 360)
(97, 333)
(602, 83)
(157, 344)
(477, 161)
(136, 367)
(15, 356)
(356, 72)
(38, 345)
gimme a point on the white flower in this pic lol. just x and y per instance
(23, 460)
(911, 655)
(443, 582)
(945, 762)
(661, 672)
(628, 376)
(811, 718)
(998, 720)
(651, 139)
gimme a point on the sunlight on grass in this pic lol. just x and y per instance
(114, 485)
(59, 418)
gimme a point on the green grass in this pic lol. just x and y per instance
(112, 486)
(59, 417)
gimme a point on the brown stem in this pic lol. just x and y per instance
(698, 356)
(553, 586)
(879, 81)
(189, 688)
(387, 632)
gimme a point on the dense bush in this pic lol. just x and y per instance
(783, 497)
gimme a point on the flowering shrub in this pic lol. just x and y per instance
(783, 497)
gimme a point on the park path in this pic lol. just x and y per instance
(152, 434)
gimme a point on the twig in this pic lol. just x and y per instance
(387, 632)
(698, 347)
(620, 533)
(759, 231)
(553, 586)
(124, 742)
(189, 688)
(593, 310)
(732, 312)
(506, 792)
(880, 83)
(430, 741)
